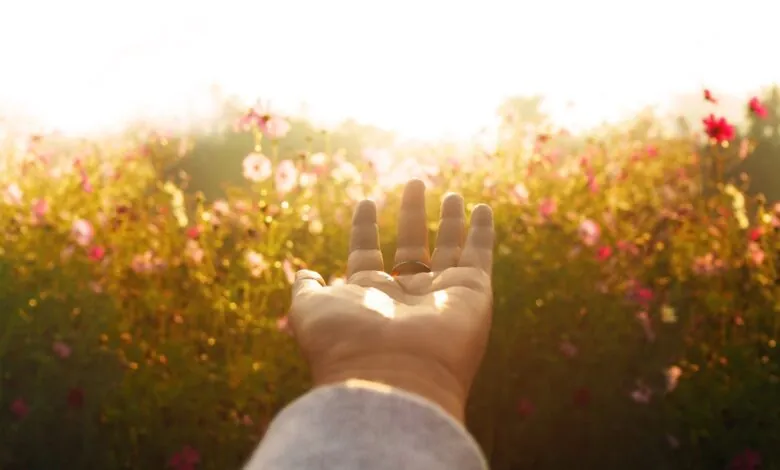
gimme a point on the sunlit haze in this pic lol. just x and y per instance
(424, 68)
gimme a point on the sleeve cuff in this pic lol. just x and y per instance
(360, 425)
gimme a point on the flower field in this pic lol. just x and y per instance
(143, 322)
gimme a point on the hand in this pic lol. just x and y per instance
(424, 332)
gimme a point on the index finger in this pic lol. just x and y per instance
(364, 252)
(478, 250)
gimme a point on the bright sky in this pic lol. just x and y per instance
(425, 68)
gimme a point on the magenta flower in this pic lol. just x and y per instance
(19, 408)
(194, 232)
(548, 207)
(257, 167)
(604, 253)
(186, 459)
(82, 232)
(589, 232)
(96, 253)
(757, 108)
(747, 460)
(61, 349)
(286, 177)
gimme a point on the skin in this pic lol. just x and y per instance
(425, 333)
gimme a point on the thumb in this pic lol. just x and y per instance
(306, 281)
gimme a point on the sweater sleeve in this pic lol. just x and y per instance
(365, 426)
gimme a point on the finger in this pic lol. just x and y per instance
(412, 225)
(306, 281)
(364, 253)
(478, 250)
(452, 232)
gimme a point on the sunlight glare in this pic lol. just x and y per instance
(379, 302)
(440, 299)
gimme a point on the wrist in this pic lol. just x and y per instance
(428, 380)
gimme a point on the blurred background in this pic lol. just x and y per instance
(167, 166)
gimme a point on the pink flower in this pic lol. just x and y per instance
(568, 349)
(755, 234)
(194, 251)
(519, 194)
(318, 163)
(589, 232)
(756, 254)
(275, 127)
(96, 253)
(61, 349)
(256, 262)
(652, 151)
(186, 459)
(82, 232)
(593, 185)
(642, 393)
(19, 408)
(707, 265)
(673, 375)
(286, 177)
(747, 460)
(142, 263)
(39, 210)
(257, 167)
(548, 207)
(13, 194)
(86, 185)
(307, 179)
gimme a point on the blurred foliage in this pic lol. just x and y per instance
(144, 285)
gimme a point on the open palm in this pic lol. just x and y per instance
(425, 331)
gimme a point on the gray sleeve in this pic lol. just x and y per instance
(349, 428)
